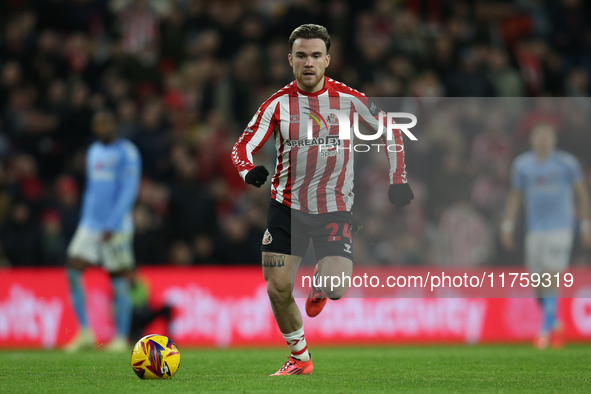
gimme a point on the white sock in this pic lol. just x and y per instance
(297, 344)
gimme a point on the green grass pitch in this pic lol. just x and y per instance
(423, 369)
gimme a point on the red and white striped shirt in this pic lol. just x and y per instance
(308, 177)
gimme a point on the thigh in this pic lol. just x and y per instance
(279, 270)
(335, 266)
(117, 253)
(85, 245)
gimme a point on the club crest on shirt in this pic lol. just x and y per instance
(267, 238)
(332, 119)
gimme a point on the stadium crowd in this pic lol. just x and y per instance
(185, 77)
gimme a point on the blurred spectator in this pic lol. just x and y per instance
(139, 27)
(180, 254)
(571, 31)
(505, 79)
(490, 189)
(463, 238)
(469, 80)
(4, 262)
(149, 245)
(492, 145)
(577, 83)
(53, 241)
(6, 195)
(203, 250)
(24, 173)
(237, 244)
(191, 208)
(20, 237)
(152, 140)
(446, 182)
(576, 137)
(67, 204)
(74, 131)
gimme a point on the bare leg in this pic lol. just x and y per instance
(338, 267)
(278, 270)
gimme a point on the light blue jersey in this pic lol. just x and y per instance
(548, 189)
(112, 180)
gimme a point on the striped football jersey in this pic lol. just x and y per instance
(314, 175)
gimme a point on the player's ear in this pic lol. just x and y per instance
(290, 59)
(326, 60)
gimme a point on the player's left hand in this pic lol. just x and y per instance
(107, 235)
(400, 195)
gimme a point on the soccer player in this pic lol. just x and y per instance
(105, 230)
(311, 190)
(547, 179)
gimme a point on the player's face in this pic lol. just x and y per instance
(103, 125)
(543, 139)
(309, 59)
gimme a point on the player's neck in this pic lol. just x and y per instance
(542, 156)
(108, 141)
(315, 89)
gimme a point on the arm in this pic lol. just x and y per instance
(400, 194)
(369, 114)
(257, 132)
(508, 224)
(584, 210)
(131, 172)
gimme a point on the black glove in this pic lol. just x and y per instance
(400, 195)
(257, 176)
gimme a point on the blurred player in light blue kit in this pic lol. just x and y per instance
(549, 179)
(105, 230)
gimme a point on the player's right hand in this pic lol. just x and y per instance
(257, 176)
(107, 235)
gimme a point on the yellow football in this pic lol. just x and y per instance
(155, 357)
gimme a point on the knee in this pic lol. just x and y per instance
(278, 292)
(77, 264)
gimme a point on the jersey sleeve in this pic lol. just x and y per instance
(129, 177)
(254, 136)
(574, 171)
(369, 114)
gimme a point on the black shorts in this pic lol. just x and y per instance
(289, 232)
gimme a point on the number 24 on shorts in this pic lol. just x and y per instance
(334, 229)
